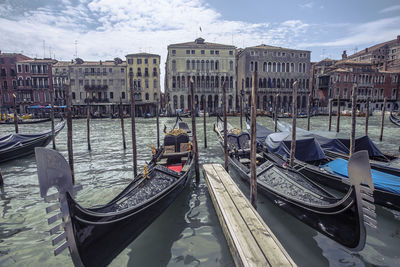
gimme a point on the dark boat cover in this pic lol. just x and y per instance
(383, 181)
(12, 140)
(261, 132)
(335, 142)
(280, 143)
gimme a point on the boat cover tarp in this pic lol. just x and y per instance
(280, 143)
(261, 132)
(383, 181)
(335, 142)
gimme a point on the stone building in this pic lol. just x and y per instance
(209, 65)
(143, 74)
(8, 79)
(277, 69)
(335, 78)
(102, 82)
(34, 83)
(384, 56)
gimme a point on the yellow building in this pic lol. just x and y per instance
(143, 75)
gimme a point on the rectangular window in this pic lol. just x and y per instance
(217, 52)
(72, 81)
(81, 82)
(73, 95)
(104, 82)
(122, 70)
(130, 61)
(19, 68)
(174, 52)
(202, 52)
(122, 82)
(110, 70)
(86, 82)
(187, 52)
(111, 95)
(26, 68)
(146, 61)
(123, 95)
(154, 61)
(231, 53)
(110, 81)
(193, 52)
(139, 61)
(211, 52)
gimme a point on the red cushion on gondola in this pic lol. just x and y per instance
(175, 167)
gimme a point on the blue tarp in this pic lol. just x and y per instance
(280, 143)
(381, 180)
(261, 132)
(335, 142)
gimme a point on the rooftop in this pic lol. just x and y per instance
(142, 55)
(200, 43)
(271, 47)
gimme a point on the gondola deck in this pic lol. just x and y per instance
(341, 219)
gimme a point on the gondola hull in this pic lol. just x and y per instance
(27, 121)
(394, 120)
(28, 147)
(109, 235)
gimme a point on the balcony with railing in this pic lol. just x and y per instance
(96, 87)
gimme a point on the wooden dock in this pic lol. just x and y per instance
(250, 240)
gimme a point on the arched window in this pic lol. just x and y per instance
(299, 70)
(202, 65)
(147, 96)
(247, 82)
(251, 66)
(287, 67)
(283, 67)
(278, 67)
(216, 65)
(231, 82)
(269, 67)
(139, 71)
(198, 64)
(274, 67)
(182, 100)
(212, 64)
(207, 81)
(212, 82)
(273, 83)
(264, 83)
(291, 70)
(155, 84)
(279, 83)
(178, 82)
(304, 67)
(183, 82)
(291, 83)
(265, 66)
(260, 83)
(216, 82)
(188, 64)
(207, 65)
(193, 65)
(173, 82)
(231, 65)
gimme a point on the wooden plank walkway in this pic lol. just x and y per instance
(250, 240)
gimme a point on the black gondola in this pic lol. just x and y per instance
(95, 236)
(339, 219)
(386, 192)
(14, 146)
(27, 121)
(393, 119)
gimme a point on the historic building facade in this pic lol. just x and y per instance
(9, 79)
(34, 83)
(277, 69)
(102, 83)
(143, 74)
(335, 79)
(209, 66)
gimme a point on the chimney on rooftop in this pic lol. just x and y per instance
(366, 50)
(344, 55)
(398, 39)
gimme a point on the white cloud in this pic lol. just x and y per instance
(390, 9)
(307, 5)
(106, 29)
(364, 34)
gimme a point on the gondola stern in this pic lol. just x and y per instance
(53, 171)
(361, 179)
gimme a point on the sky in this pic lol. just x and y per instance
(105, 29)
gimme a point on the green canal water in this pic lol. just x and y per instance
(188, 232)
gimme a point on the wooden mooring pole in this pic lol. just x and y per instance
(1, 180)
(241, 108)
(158, 121)
(225, 126)
(194, 138)
(294, 116)
(134, 151)
(69, 134)
(53, 136)
(204, 123)
(310, 100)
(353, 120)
(253, 151)
(367, 117)
(276, 113)
(121, 115)
(88, 123)
(338, 114)
(383, 119)
(330, 114)
(15, 114)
